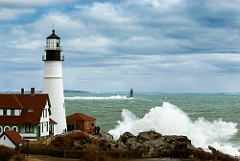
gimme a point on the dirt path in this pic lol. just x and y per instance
(32, 157)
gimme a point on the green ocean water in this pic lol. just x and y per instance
(207, 119)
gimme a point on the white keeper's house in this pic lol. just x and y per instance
(27, 114)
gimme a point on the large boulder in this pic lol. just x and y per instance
(152, 143)
(128, 141)
(148, 135)
(123, 138)
(178, 142)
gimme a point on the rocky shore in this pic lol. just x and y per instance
(151, 144)
(154, 144)
(145, 145)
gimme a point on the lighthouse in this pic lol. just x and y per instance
(53, 81)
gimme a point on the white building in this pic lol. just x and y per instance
(27, 114)
(11, 139)
(53, 81)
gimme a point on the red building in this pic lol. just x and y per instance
(79, 121)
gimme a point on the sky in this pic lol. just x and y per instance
(114, 45)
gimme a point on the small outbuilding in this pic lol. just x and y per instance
(79, 121)
(11, 139)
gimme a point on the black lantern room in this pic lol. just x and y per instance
(53, 48)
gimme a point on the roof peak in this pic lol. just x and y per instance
(53, 35)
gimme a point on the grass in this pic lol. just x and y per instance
(200, 155)
(6, 153)
(93, 153)
(19, 157)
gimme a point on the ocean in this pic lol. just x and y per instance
(206, 119)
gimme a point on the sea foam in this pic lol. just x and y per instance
(117, 97)
(168, 119)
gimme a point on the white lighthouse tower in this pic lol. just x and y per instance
(53, 81)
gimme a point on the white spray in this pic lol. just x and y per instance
(170, 120)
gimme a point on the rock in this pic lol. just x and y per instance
(133, 143)
(78, 144)
(106, 135)
(178, 142)
(212, 149)
(153, 144)
(121, 146)
(125, 137)
(150, 135)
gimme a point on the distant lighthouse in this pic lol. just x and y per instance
(53, 81)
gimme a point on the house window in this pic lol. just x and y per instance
(4, 112)
(45, 113)
(14, 128)
(29, 128)
(30, 110)
(6, 128)
(87, 125)
(12, 112)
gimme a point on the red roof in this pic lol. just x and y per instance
(80, 117)
(32, 106)
(51, 121)
(10, 101)
(14, 136)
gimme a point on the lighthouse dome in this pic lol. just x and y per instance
(53, 36)
(53, 48)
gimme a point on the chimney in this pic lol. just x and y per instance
(33, 91)
(22, 90)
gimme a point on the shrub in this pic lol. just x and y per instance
(67, 141)
(219, 156)
(6, 153)
(93, 153)
(19, 157)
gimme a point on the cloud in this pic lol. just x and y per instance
(148, 45)
(27, 3)
(14, 13)
(14, 10)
